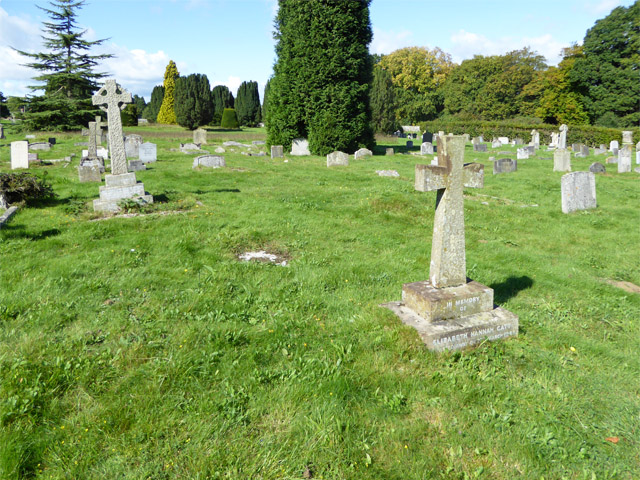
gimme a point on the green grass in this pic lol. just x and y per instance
(140, 347)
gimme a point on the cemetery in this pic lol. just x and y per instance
(449, 298)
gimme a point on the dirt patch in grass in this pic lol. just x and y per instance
(626, 286)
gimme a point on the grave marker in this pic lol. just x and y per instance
(578, 191)
(148, 152)
(277, 151)
(562, 139)
(213, 161)
(561, 160)
(19, 154)
(627, 137)
(200, 136)
(504, 165)
(2, 137)
(362, 153)
(535, 139)
(597, 167)
(300, 146)
(624, 159)
(448, 312)
(337, 159)
(426, 148)
(132, 145)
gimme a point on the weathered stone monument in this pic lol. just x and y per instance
(44, 146)
(337, 159)
(480, 147)
(505, 165)
(148, 152)
(19, 154)
(2, 137)
(535, 139)
(614, 146)
(132, 145)
(562, 138)
(638, 153)
(495, 143)
(300, 146)
(212, 161)
(362, 153)
(554, 140)
(277, 151)
(627, 137)
(448, 311)
(426, 148)
(91, 166)
(389, 151)
(578, 191)
(562, 160)
(522, 154)
(200, 136)
(121, 184)
(597, 167)
(624, 159)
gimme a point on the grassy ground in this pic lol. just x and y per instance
(141, 347)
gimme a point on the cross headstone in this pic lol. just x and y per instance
(112, 100)
(99, 125)
(535, 138)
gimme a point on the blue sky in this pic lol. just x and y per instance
(231, 40)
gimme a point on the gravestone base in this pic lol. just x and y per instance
(93, 162)
(119, 187)
(459, 333)
(136, 165)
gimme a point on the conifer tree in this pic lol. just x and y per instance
(383, 102)
(265, 105)
(193, 105)
(167, 114)
(221, 98)
(320, 87)
(248, 104)
(4, 110)
(66, 72)
(153, 107)
(229, 118)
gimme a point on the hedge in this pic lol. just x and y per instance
(587, 134)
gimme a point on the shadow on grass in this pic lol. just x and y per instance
(217, 190)
(503, 291)
(17, 232)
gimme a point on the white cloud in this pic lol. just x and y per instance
(603, 6)
(385, 42)
(232, 83)
(467, 44)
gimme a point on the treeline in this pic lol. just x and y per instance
(190, 102)
(596, 83)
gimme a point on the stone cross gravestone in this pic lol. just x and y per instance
(562, 139)
(99, 125)
(449, 312)
(578, 191)
(19, 154)
(120, 184)
(562, 160)
(91, 167)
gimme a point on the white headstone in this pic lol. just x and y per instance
(148, 152)
(627, 137)
(362, 153)
(562, 139)
(426, 148)
(496, 143)
(578, 191)
(19, 154)
(562, 160)
(132, 145)
(535, 139)
(624, 159)
(300, 146)
(613, 145)
(522, 154)
(503, 140)
(213, 161)
(337, 159)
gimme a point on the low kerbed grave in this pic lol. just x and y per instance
(449, 311)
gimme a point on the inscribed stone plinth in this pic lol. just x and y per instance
(132, 145)
(337, 159)
(148, 152)
(578, 191)
(505, 165)
(277, 151)
(362, 153)
(627, 137)
(200, 136)
(120, 184)
(448, 312)
(597, 167)
(480, 147)
(561, 160)
(213, 161)
(19, 154)
(562, 139)
(136, 165)
(426, 148)
(624, 159)
(300, 146)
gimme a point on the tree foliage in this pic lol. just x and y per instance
(129, 115)
(265, 105)
(607, 75)
(193, 106)
(153, 107)
(139, 102)
(229, 119)
(221, 98)
(4, 109)
(67, 73)
(247, 104)
(167, 114)
(321, 79)
(383, 102)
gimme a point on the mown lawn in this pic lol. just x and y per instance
(140, 347)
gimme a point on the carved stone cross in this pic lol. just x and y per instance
(92, 148)
(111, 98)
(449, 176)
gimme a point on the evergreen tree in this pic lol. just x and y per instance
(248, 104)
(129, 115)
(606, 76)
(67, 75)
(153, 107)
(140, 103)
(265, 105)
(320, 86)
(193, 104)
(4, 109)
(221, 98)
(167, 114)
(229, 119)
(383, 102)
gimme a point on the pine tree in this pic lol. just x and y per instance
(4, 110)
(67, 72)
(167, 114)
(265, 105)
(248, 104)
(320, 87)
(383, 102)
(193, 104)
(139, 102)
(221, 98)
(153, 107)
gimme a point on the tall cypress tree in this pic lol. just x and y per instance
(167, 114)
(153, 107)
(4, 110)
(383, 99)
(67, 72)
(193, 105)
(320, 87)
(221, 98)
(248, 104)
(265, 105)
